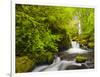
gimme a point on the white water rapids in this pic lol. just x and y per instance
(76, 49)
(56, 65)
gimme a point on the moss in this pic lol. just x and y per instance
(64, 42)
(80, 59)
(75, 38)
(44, 58)
(24, 64)
(84, 36)
(91, 38)
(29, 62)
(91, 45)
(83, 42)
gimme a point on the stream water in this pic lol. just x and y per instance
(56, 65)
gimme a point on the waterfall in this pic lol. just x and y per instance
(76, 49)
(75, 44)
(79, 28)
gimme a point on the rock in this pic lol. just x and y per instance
(24, 64)
(91, 45)
(80, 59)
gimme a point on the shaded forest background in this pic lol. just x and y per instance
(43, 31)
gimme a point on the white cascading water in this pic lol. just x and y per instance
(75, 44)
(76, 48)
(79, 28)
(53, 66)
(56, 65)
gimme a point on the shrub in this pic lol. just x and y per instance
(24, 64)
(44, 58)
(84, 42)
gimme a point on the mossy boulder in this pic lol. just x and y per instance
(80, 59)
(90, 45)
(91, 38)
(84, 42)
(24, 64)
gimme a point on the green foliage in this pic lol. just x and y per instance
(87, 40)
(44, 58)
(38, 28)
(24, 64)
(80, 59)
(86, 17)
(84, 42)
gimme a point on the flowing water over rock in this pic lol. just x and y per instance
(76, 49)
(57, 65)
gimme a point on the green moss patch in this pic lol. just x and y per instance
(80, 59)
(24, 64)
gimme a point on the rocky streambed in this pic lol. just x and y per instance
(66, 61)
(88, 64)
